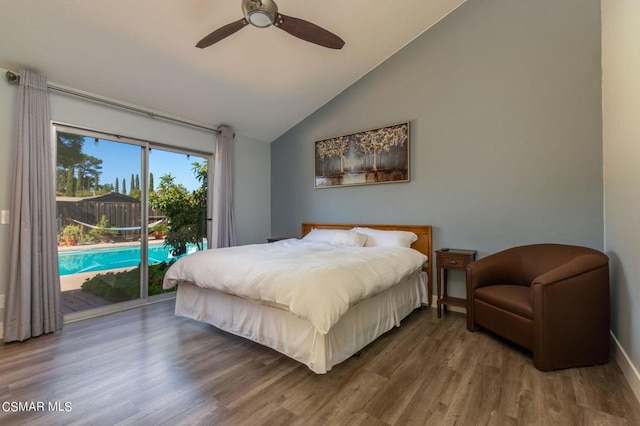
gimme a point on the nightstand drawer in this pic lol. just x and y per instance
(452, 263)
(453, 260)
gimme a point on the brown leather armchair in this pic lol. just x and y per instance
(552, 299)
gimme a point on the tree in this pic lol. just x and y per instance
(151, 189)
(375, 142)
(69, 147)
(117, 185)
(70, 190)
(322, 151)
(135, 187)
(124, 186)
(77, 173)
(185, 211)
(69, 154)
(135, 193)
(89, 170)
(331, 148)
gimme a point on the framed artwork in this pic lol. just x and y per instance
(378, 155)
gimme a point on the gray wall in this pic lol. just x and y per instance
(252, 159)
(621, 132)
(504, 101)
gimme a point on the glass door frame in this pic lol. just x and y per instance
(146, 147)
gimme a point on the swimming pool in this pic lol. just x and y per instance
(104, 259)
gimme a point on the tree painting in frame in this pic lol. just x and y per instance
(373, 156)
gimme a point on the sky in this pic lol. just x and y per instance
(121, 160)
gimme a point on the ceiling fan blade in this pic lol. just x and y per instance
(221, 33)
(308, 31)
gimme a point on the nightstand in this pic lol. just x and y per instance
(455, 259)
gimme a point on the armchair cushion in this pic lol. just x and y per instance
(512, 298)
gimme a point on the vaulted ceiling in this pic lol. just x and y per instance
(261, 81)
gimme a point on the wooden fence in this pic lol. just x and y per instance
(121, 214)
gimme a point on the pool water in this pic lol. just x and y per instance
(104, 259)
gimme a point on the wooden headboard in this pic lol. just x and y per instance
(423, 244)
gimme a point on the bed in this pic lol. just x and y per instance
(318, 336)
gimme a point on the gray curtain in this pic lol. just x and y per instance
(224, 228)
(33, 296)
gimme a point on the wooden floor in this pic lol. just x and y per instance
(148, 367)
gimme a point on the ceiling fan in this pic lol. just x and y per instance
(264, 13)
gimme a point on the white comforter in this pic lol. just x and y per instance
(315, 281)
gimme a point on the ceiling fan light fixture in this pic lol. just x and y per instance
(260, 13)
(259, 18)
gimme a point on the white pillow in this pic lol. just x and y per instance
(379, 238)
(338, 237)
(349, 239)
(321, 235)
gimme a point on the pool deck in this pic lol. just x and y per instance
(78, 300)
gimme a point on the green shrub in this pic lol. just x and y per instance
(71, 234)
(103, 230)
(123, 286)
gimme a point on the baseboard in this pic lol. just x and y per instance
(456, 309)
(434, 305)
(628, 369)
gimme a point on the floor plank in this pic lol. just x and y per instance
(148, 367)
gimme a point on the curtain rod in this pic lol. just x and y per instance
(14, 78)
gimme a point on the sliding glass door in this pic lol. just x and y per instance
(120, 204)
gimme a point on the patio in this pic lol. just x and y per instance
(78, 300)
